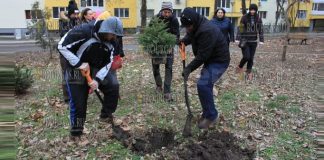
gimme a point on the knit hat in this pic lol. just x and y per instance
(253, 7)
(72, 7)
(167, 5)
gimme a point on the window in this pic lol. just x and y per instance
(92, 3)
(122, 12)
(204, 11)
(27, 14)
(149, 13)
(57, 10)
(263, 14)
(177, 12)
(223, 3)
(318, 6)
(33, 14)
(301, 14)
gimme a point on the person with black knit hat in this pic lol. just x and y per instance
(224, 24)
(172, 27)
(249, 29)
(211, 50)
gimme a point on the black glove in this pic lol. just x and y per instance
(186, 72)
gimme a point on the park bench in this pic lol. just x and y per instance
(303, 37)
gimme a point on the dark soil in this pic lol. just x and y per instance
(153, 140)
(215, 146)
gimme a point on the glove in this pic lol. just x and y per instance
(117, 63)
(94, 85)
(84, 66)
(185, 74)
(261, 43)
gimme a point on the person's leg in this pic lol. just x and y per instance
(110, 89)
(210, 74)
(78, 95)
(168, 76)
(245, 54)
(157, 76)
(252, 49)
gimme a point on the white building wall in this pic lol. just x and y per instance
(270, 7)
(13, 13)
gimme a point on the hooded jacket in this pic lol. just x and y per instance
(81, 44)
(225, 25)
(208, 43)
(251, 26)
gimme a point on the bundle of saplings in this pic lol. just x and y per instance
(156, 41)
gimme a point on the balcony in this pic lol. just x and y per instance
(318, 13)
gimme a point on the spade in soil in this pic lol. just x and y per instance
(187, 128)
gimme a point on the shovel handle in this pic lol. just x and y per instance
(182, 49)
(86, 74)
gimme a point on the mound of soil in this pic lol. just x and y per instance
(215, 146)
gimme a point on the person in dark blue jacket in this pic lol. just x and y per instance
(211, 50)
(224, 24)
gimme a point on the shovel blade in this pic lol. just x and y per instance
(187, 128)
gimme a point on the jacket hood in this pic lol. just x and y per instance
(190, 16)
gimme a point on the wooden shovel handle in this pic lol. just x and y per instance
(86, 74)
(182, 49)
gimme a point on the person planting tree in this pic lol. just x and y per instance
(91, 45)
(211, 50)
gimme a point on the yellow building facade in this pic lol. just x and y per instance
(303, 13)
(125, 9)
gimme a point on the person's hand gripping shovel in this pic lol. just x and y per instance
(86, 74)
(187, 128)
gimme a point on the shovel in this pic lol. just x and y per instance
(187, 128)
(86, 74)
(118, 132)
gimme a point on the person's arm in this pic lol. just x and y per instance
(240, 28)
(205, 50)
(102, 73)
(70, 39)
(119, 47)
(260, 30)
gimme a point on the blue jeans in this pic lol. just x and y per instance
(209, 76)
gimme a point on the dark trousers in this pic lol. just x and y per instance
(248, 55)
(78, 90)
(168, 73)
(209, 75)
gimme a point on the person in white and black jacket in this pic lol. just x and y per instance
(91, 45)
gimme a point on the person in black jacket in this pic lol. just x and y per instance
(249, 29)
(173, 28)
(91, 45)
(211, 50)
(224, 24)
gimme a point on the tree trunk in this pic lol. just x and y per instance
(143, 14)
(243, 7)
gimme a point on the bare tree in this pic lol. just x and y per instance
(244, 7)
(143, 13)
(287, 19)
